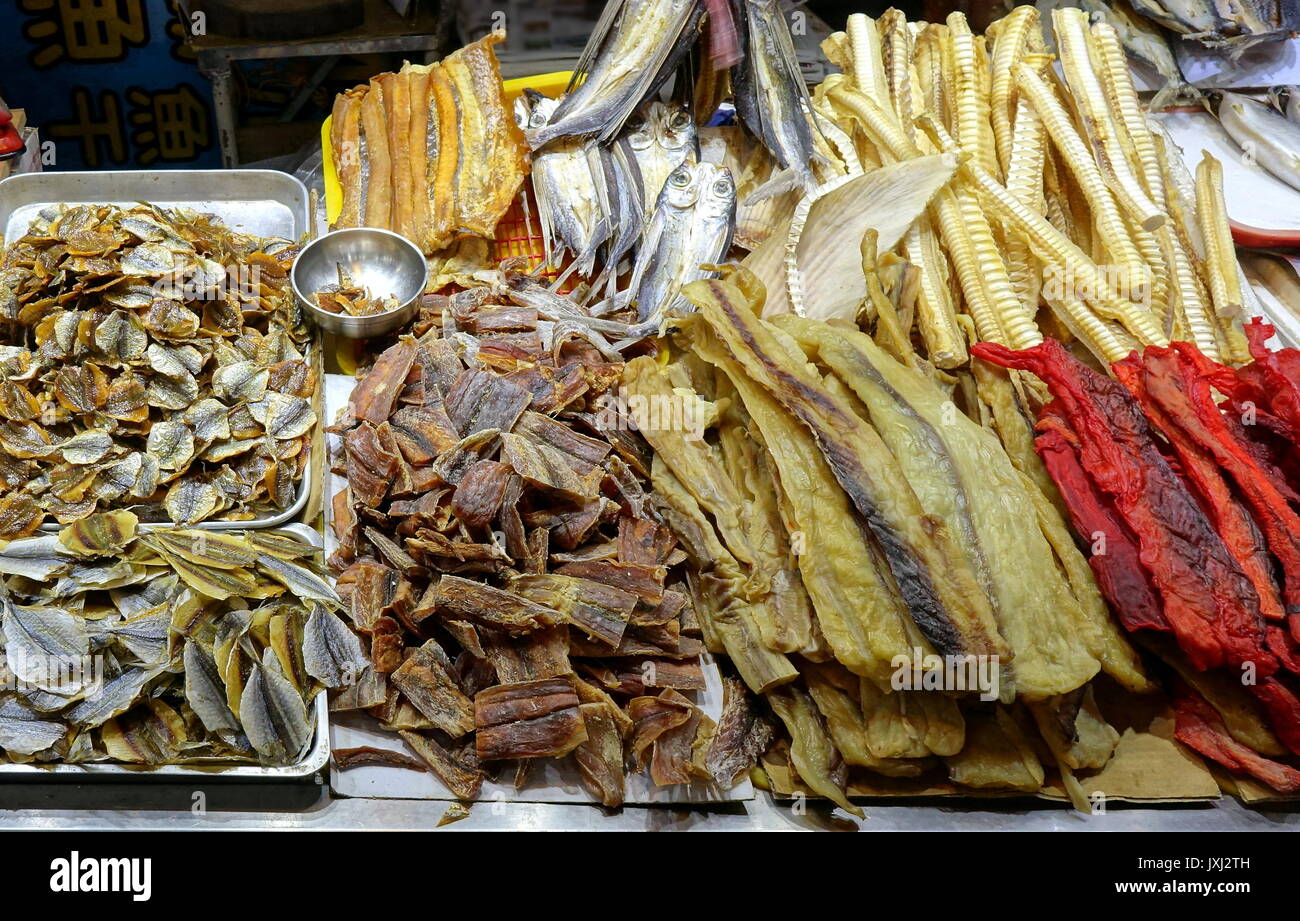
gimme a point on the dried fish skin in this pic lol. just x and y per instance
(815, 756)
(932, 575)
(274, 717)
(974, 488)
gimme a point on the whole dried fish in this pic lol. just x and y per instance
(635, 47)
(692, 227)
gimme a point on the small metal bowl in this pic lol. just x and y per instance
(381, 261)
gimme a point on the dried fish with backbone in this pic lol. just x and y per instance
(771, 97)
(635, 47)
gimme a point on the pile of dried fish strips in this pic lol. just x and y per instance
(854, 530)
(152, 359)
(168, 646)
(430, 152)
(519, 596)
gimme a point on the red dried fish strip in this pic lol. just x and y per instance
(1283, 710)
(1213, 618)
(1199, 726)
(1144, 380)
(1120, 575)
(1181, 388)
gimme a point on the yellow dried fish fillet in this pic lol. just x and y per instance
(494, 155)
(397, 116)
(345, 139)
(379, 191)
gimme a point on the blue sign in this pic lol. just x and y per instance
(110, 82)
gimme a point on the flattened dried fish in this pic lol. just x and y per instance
(274, 716)
(427, 681)
(530, 719)
(331, 652)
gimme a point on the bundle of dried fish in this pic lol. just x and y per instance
(166, 647)
(880, 526)
(153, 359)
(635, 47)
(430, 152)
(499, 553)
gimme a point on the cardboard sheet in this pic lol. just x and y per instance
(550, 782)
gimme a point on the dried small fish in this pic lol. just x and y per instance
(331, 652)
(134, 358)
(273, 714)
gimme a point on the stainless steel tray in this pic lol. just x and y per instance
(267, 203)
(317, 757)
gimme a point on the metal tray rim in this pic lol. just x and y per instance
(316, 759)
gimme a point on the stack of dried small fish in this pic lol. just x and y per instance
(518, 595)
(430, 152)
(154, 359)
(849, 525)
(165, 647)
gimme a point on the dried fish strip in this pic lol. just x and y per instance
(530, 719)
(938, 586)
(494, 501)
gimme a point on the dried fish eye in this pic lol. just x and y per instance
(682, 177)
(723, 186)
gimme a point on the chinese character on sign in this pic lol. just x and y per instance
(169, 125)
(84, 31)
(89, 129)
